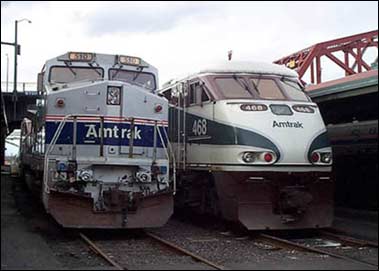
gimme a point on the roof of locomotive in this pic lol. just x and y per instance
(110, 59)
(97, 60)
(239, 67)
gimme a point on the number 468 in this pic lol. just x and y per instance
(199, 127)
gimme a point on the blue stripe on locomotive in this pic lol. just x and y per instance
(144, 134)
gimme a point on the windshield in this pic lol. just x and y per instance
(73, 74)
(232, 87)
(293, 90)
(242, 87)
(267, 89)
(146, 80)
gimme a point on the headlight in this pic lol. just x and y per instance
(114, 95)
(248, 157)
(321, 157)
(143, 177)
(326, 157)
(85, 175)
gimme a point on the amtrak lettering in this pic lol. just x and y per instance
(287, 124)
(114, 132)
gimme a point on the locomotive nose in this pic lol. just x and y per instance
(291, 126)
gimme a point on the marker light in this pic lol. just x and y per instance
(268, 157)
(315, 157)
(60, 102)
(158, 108)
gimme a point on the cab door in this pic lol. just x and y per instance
(199, 119)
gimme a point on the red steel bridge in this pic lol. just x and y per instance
(310, 58)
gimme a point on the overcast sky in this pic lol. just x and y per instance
(176, 37)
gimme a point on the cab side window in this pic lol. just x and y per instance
(204, 96)
(197, 94)
(167, 94)
(192, 94)
(171, 98)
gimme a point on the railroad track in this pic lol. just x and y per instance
(346, 240)
(164, 241)
(180, 250)
(98, 251)
(186, 252)
(338, 234)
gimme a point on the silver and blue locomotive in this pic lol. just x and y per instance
(250, 146)
(96, 144)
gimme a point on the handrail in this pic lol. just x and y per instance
(51, 146)
(131, 139)
(168, 156)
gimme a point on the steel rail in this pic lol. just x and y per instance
(186, 252)
(99, 251)
(312, 249)
(348, 239)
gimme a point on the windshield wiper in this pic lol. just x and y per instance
(256, 85)
(98, 72)
(138, 73)
(241, 83)
(71, 69)
(117, 71)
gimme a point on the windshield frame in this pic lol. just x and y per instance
(133, 82)
(75, 67)
(283, 79)
(247, 79)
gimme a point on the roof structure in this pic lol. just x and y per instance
(352, 47)
(240, 67)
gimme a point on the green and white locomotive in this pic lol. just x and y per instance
(250, 146)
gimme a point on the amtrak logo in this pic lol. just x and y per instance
(114, 132)
(287, 124)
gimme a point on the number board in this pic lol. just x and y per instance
(129, 60)
(253, 107)
(75, 56)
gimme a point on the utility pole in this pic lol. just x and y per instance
(7, 72)
(16, 52)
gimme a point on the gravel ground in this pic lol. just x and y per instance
(336, 246)
(240, 249)
(73, 253)
(367, 254)
(64, 245)
(30, 233)
(223, 247)
(134, 250)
